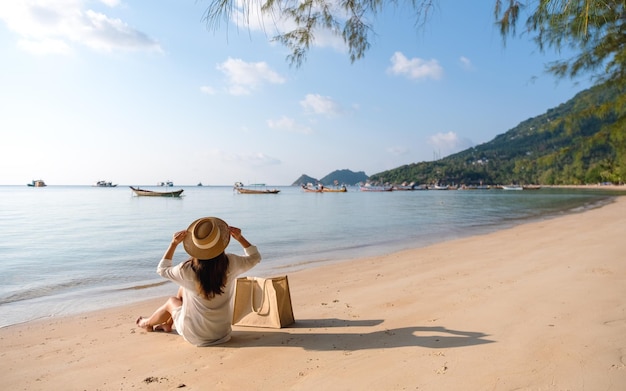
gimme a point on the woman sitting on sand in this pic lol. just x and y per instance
(201, 312)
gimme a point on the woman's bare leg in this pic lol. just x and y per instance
(168, 324)
(162, 315)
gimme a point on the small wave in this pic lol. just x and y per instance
(37, 292)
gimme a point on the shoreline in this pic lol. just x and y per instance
(536, 306)
(63, 297)
(588, 187)
(86, 301)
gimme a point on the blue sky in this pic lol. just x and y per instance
(138, 92)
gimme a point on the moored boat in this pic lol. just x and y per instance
(37, 183)
(152, 193)
(258, 188)
(473, 187)
(104, 184)
(374, 188)
(408, 186)
(512, 187)
(310, 188)
(257, 191)
(336, 189)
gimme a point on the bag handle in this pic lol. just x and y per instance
(257, 311)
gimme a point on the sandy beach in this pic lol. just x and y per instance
(541, 306)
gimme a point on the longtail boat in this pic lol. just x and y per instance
(151, 193)
(257, 188)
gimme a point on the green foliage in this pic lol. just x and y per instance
(594, 29)
(345, 18)
(571, 144)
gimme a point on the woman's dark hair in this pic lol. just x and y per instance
(211, 274)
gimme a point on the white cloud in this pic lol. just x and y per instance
(328, 39)
(415, 68)
(288, 124)
(53, 26)
(248, 14)
(323, 105)
(448, 143)
(466, 63)
(244, 77)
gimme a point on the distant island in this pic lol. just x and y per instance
(337, 177)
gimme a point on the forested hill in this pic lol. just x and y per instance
(574, 143)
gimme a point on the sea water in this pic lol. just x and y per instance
(70, 249)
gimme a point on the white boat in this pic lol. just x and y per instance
(512, 187)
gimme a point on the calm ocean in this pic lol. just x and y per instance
(69, 249)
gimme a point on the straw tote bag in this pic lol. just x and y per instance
(263, 302)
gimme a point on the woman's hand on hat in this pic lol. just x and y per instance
(179, 237)
(235, 232)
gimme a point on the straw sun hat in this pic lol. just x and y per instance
(207, 238)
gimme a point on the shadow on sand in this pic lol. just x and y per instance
(320, 334)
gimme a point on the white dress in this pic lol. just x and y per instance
(200, 321)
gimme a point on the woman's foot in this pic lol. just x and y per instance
(143, 323)
(165, 327)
